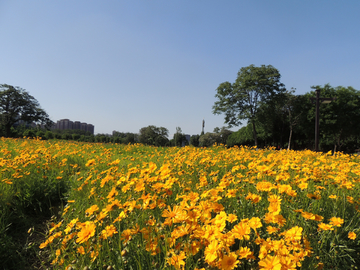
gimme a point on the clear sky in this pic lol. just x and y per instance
(126, 64)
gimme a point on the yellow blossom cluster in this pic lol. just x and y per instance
(204, 208)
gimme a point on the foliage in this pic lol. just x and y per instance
(339, 120)
(209, 139)
(179, 138)
(287, 120)
(244, 137)
(242, 99)
(16, 105)
(124, 137)
(153, 135)
(194, 140)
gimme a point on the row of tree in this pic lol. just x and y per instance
(276, 116)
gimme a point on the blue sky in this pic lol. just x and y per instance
(123, 65)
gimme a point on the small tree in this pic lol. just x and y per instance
(152, 135)
(194, 140)
(209, 139)
(179, 137)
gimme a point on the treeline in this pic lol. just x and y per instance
(288, 121)
(282, 119)
(73, 135)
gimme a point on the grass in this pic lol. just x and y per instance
(139, 207)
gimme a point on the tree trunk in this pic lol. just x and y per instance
(290, 138)
(254, 134)
(7, 130)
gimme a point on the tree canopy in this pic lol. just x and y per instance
(241, 100)
(17, 105)
(152, 135)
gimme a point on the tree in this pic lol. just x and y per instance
(194, 140)
(224, 133)
(241, 100)
(179, 137)
(152, 135)
(339, 120)
(16, 105)
(209, 139)
(294, 106)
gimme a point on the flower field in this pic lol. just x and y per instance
(141, 207)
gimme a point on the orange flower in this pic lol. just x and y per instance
(271, 229)
(178, 260)
(229, 262)
(211, 251)
(293, 234)
(255, 223)
(90, 162)
(270, 263)
(87, 231)
(174, 215)
(325, 227)
(108, 231)
(81, 250)
(245, 253)
(336, 221)
(241, 231)
(352, 235)
(91, 209)
(232, 218)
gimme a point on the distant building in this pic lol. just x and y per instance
(187, 136)
(66, 124)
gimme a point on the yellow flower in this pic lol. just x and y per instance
(308, 215)
(325, 227)
(255, 223)
(264, 186)
(271, 229)
(336, 221)
(87, 231)
(232, 218)
(245, 253)
(270, 263)
(229, 262)
(108, 231)
(211, 251)
(231, 193)
(303, 185)
(241, 231)
(293, 234)
(174, 215)
(90, 162)
(126, 235)
(253, 197)
(71, 225)
(352, 235)
(178, 260)
(81, 250)
(91, 209)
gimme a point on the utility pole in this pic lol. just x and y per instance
(318, 101)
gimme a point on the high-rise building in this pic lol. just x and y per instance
(66, 124)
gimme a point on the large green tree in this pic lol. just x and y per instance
(241, 100)
(16, 104)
